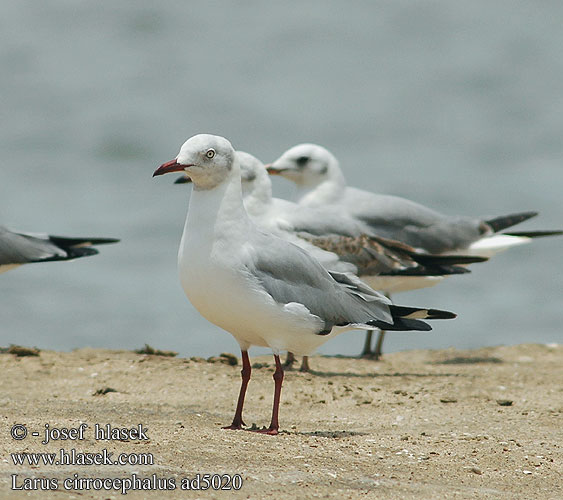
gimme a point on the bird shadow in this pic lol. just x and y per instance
(321, 374)
(328, 434)
(468, 360)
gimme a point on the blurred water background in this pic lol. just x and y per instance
(458, 105)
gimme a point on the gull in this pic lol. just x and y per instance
(321, 184)
(262, 289)
(338, 241)
(24, 248)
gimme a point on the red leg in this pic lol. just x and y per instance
(305, 365)
(245, 372)
(278, 379)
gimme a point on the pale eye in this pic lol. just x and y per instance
(210, 153)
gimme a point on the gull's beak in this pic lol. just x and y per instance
(272, 170)
(182, 180)
(169, 166)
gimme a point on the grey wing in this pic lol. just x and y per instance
(319, 221)
(289, 274)
(412, 223)
(19, 248)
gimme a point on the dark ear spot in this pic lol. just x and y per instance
(323, 170)
(230, 159)
(248, 176)
(302, 161)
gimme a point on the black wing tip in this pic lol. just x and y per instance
(405, 311)
(77, 253)
(102, 241)
(72, 253)
(502, 222)
(67, 242)
(440, 314)
(449, 259)
(428, 271)
(535, 234)
(414, 324)
(402, 325)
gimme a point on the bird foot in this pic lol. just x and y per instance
(270, 431)
(374, 356)
(305, 368)
(234, 426)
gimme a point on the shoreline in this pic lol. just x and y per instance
(418, 424)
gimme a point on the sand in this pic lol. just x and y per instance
(418, 424)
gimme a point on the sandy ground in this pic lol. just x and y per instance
(421, 424)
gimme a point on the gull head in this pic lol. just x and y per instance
(306, 165)
(206, 159)
(253, 174)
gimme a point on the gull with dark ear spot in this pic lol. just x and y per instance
(17, 248)
(321, 184)
(261, 288)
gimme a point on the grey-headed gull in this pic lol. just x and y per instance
(320, 182)
(24, 248)
(262, 289)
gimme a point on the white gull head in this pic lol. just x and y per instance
(308, 165)
(207, 159)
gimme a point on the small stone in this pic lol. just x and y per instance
(20, 351)
(229, 359)
(260, 365)
(504, 402)
(147, 349)
(448, 400)
(103, 391)
(476, 470)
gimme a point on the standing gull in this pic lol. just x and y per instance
(263, 289)
(321, 183)
(24, 248)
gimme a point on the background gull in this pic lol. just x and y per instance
(262, 289)
(25, 248)
(321, 183)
